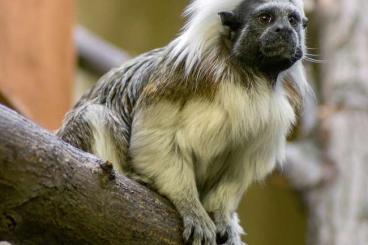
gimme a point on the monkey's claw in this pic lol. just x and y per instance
(199, 230)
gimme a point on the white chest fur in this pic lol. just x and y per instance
(253, 121)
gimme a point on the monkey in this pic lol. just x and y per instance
(202, 118)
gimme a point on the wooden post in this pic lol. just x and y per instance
(37, 58)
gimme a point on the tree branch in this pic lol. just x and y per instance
(52, 192)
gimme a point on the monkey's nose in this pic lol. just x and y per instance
(282, 29)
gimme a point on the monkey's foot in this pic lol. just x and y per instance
(199, 230)
(228, 232)
(228, 236)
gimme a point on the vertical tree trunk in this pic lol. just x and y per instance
(37, 58)
(339, 210)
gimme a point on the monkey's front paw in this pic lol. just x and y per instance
(199, 230)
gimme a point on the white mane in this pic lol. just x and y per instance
(201, 31)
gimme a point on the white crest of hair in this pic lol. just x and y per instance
(299, 4)
(201, 32)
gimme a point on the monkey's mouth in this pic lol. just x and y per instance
(282, 46)
(279, 50)
(275, 59)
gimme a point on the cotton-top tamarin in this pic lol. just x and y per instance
(202, 118)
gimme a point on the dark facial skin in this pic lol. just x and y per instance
(265, 37)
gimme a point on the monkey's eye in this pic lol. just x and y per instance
(293, 20)
(265, 18)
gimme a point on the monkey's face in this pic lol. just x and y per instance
(265, 36)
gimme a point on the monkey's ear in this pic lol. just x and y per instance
(229, 19)
(305, 23)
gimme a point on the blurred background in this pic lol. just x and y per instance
(51, 52)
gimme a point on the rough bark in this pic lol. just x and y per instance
(52, 193)
(339, 210)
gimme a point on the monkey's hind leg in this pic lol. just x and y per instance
(96, 129)
(223, 199)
